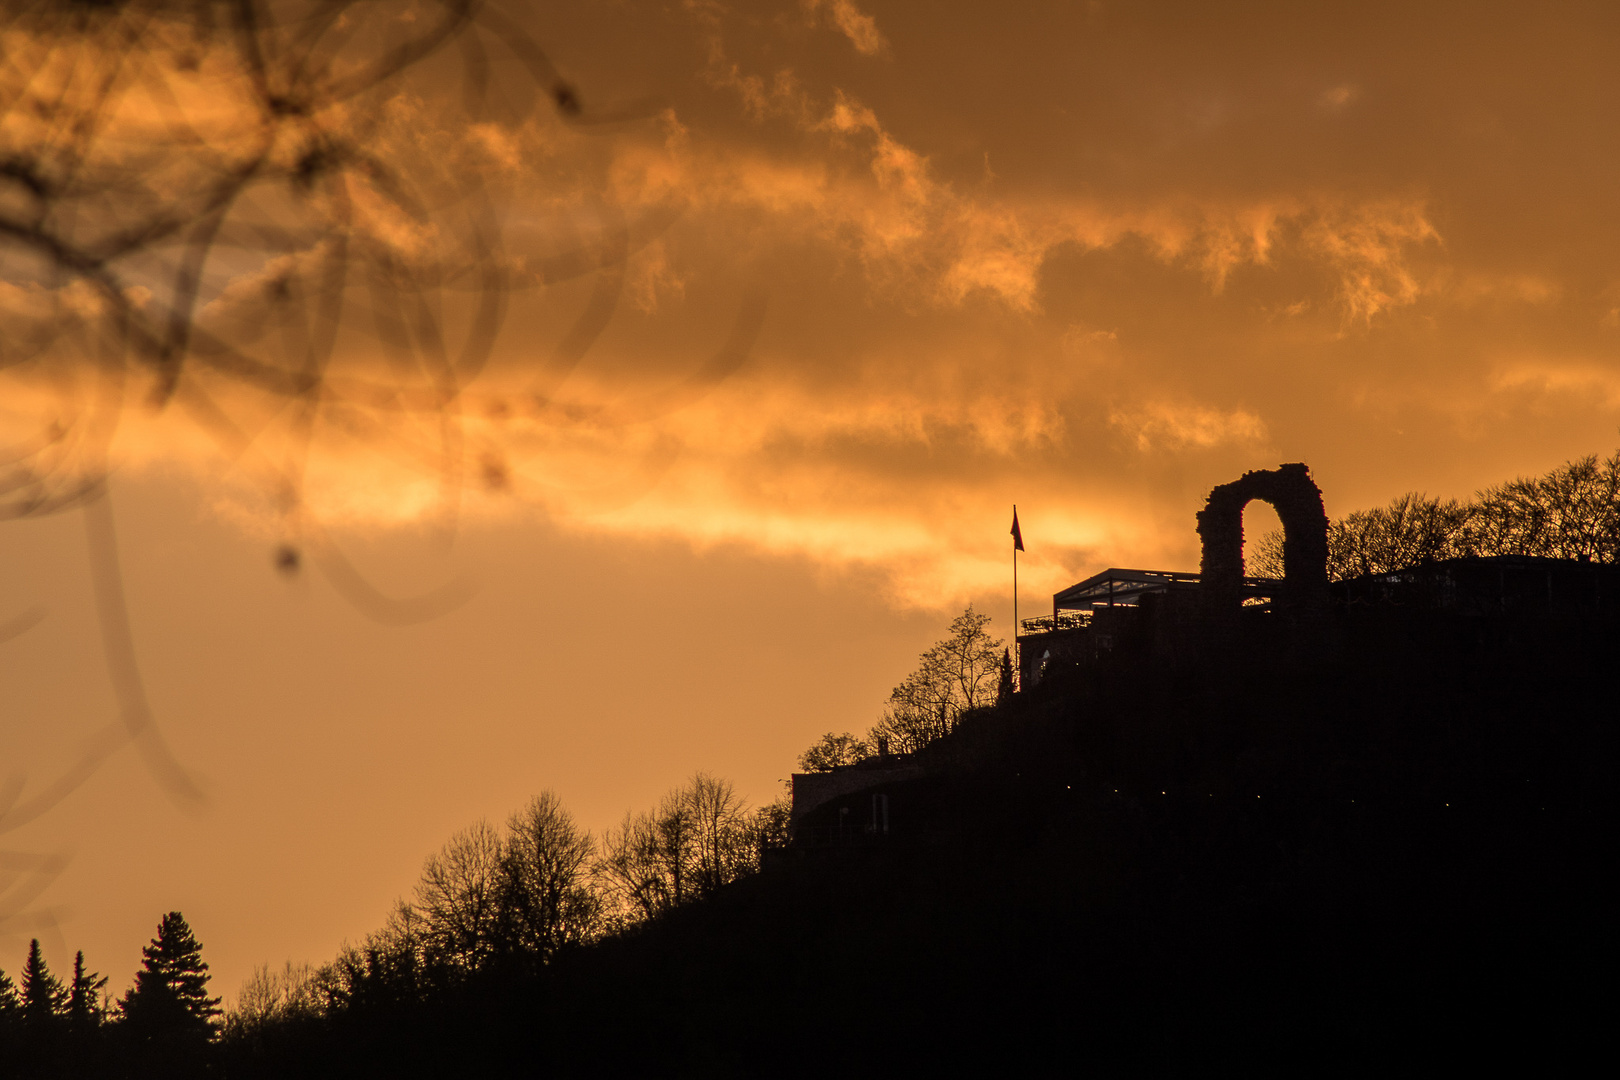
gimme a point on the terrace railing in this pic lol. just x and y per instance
(1046, 624)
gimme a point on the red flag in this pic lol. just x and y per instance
(1018, 537)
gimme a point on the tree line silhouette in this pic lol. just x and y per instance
(164, 1021)
(501, 903)
(494, 904)
(956, 675)
(1570, 512)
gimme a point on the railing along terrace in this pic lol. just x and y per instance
(1063, 620)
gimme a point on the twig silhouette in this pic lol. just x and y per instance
(200, 205)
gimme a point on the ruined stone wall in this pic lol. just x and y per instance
(1298, 502)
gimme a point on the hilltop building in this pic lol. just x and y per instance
(1171, 615)
(1167, 610)
(849, 804)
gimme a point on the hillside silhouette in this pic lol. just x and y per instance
(1311, 835)
(1269, 830)
(1387, 851)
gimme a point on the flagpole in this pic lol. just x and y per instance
(1018, 671)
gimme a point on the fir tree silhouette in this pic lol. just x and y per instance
(44, 999)
(84, 1007)
(10, 1003)
(1004, 686)
(169, 1003)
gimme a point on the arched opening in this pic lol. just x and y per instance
(1298, 502)
(1260, 558)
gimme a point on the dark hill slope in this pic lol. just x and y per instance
(1377, 842)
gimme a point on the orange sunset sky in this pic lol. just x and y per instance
(856, 277)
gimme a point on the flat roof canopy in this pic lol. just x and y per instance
(1117, 587)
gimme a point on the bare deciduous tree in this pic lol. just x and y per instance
(955, 675)
(723, 849)
(699, 838)
(768, 825)
(547, 901)
(834, 750)
(271, 997)
(391, 965)
(1570, 512)
(637, 876)
(459, 898)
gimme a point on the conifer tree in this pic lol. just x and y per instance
(84, 995)
(1004, 688)
(43, 997)
(169, 1000)
(10, 1020)
(10, 1003)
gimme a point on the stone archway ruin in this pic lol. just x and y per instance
(1298, 502)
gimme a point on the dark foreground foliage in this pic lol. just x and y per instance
(162, 1027)
(1370, 843)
